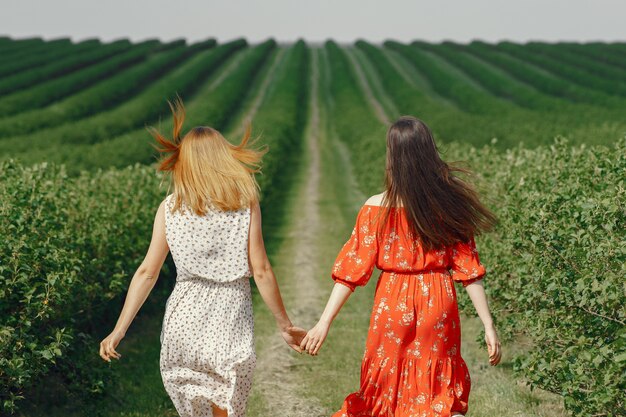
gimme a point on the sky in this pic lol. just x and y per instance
(317, 20)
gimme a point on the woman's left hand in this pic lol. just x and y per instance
(314, 339)
(108, 345)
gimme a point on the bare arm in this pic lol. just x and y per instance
(140, 286)
(476, 292)
(337, 299)
(266, 281)
(316, 336)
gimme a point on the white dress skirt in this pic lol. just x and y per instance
(207, 338)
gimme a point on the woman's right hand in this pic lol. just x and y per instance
(315, 337)
(493, 345)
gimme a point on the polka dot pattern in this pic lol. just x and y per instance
(207, 339)
(214, 246)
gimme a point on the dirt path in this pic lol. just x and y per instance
(277, 380)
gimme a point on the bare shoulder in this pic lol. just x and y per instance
(160, 214)
(163, 207)
(163, 204)
(255, 207)
(375, 200)
(165, 201)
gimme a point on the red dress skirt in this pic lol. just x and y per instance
(412, 366)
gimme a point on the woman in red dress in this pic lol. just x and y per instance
(420, 234)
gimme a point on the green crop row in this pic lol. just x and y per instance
(355, 125)
(17, 44)
(561, 66)
(468, 97)
(68, 247)
(57, 88)
(141, 109)
(280, 122)
(96, 99)
(599, 70)
(23, 47)
(210, 105)
(55, 68)
(600, 52)
(32, 60)
(511, 125)
(497, 83)
(537, 78)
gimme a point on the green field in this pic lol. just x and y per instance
(542, 125)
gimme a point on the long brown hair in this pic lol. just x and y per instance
(441, 208)
(207, 170)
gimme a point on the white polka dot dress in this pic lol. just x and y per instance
(207, 338)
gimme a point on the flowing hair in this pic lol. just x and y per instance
(207, 170)
(441, 208)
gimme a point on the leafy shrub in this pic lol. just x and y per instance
(557, 266)
(67, 248)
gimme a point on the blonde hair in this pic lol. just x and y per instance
(206, 169)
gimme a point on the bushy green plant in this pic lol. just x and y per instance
(557, 266)
(67, 249)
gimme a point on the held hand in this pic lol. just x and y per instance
(293, 336)
(493, 345)
(108, 345)
(315, 338)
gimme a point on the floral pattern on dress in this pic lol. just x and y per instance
(412, 364)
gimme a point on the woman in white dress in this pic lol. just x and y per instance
(211, 223)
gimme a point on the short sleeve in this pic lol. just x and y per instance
(356, 260)
(465, 264)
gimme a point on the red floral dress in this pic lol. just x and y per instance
(412, 364)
